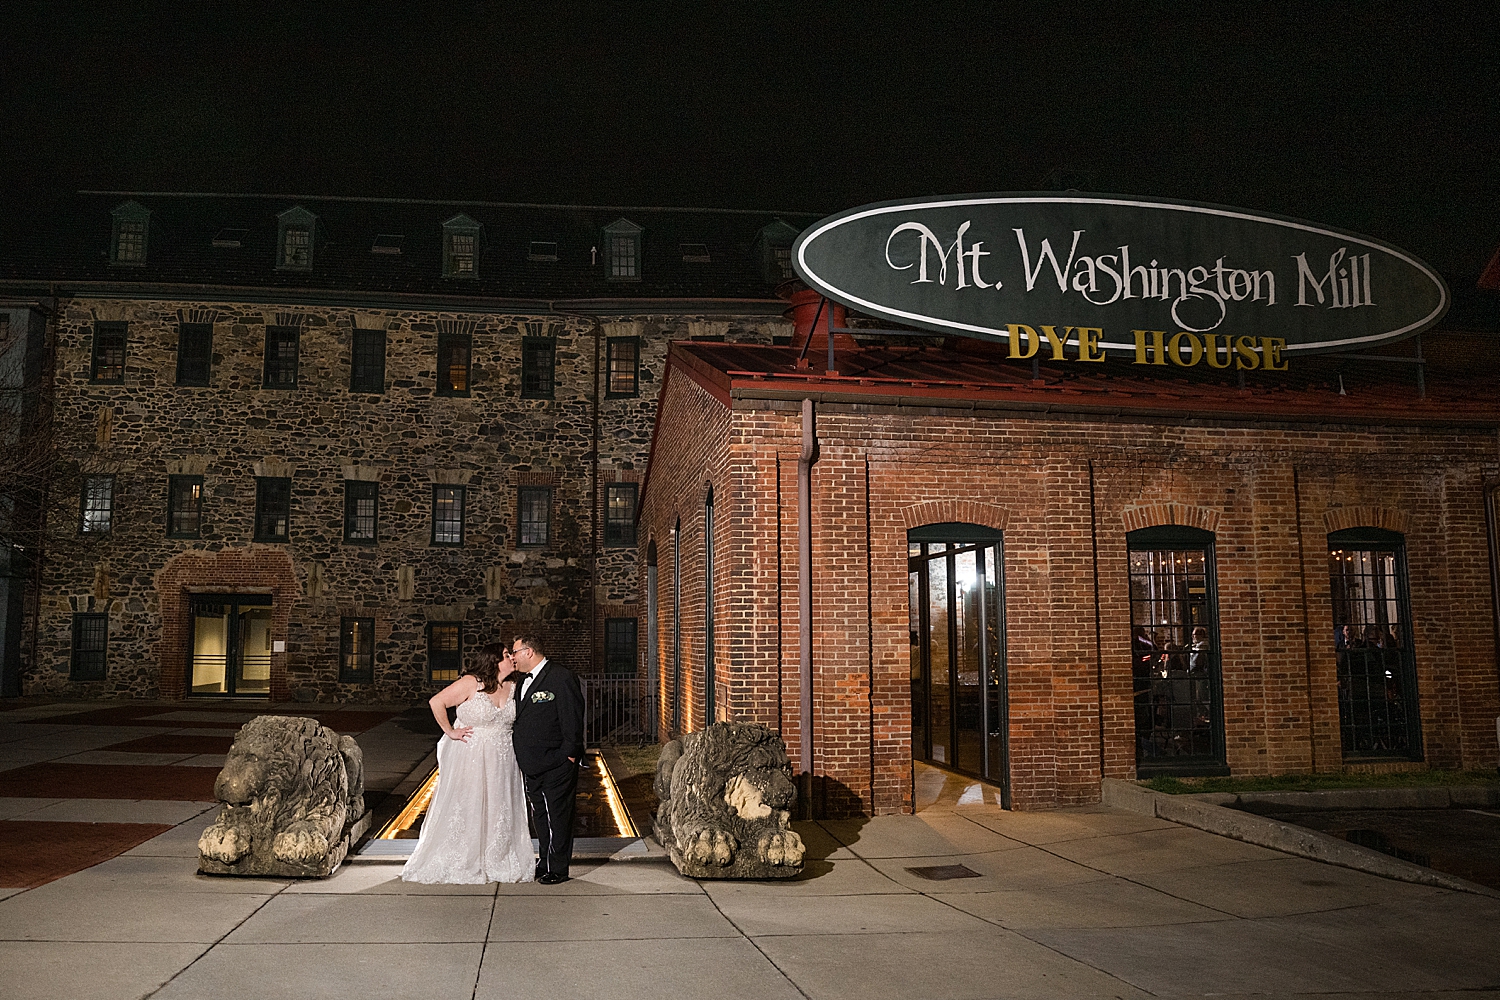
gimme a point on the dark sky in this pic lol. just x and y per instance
(1385, 120)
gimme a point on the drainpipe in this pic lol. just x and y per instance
(804, 607)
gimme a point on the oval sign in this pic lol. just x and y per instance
(1108, 268)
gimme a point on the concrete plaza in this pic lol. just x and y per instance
(1086, 902)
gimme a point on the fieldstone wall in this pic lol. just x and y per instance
(319, 433)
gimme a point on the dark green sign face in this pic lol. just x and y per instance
(1127, 274)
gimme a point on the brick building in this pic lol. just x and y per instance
(1045, 577)
(315, 448)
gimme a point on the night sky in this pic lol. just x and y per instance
(1380, 119)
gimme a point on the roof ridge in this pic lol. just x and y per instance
(443, 201)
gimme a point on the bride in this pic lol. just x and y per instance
(476, 829)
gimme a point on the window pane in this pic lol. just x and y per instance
(273, 502)
(109, 352)
(619, 517)
(90, 645)
(536, 512)
(1176, 658)
(357, 649)
(537, 367)
(461, 255)
(296, 247)
(367, 366)
(1376, 668)
(444, 651)
(453, 364)
(184, 506)
(622, 257)
(447, 515)
(624, 353)
(281, 357)
(194, 353)
(619, 647)
(361, 509)
(98, 503)
(131, 245)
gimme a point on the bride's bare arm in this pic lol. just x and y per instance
(452, 696)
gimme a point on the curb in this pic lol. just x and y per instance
(1210, 812)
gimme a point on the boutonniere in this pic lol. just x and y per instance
(538, 696)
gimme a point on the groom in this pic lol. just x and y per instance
(548, 737)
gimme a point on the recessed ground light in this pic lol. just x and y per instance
(542, 251)
(230, 237)
(387, 243)
(695, 253)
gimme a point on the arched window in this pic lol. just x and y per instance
(708, 608)
(653, 650)
(1176, 670)
(677, 627)
(960, 708)
(1372, 640)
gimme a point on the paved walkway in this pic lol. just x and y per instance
(1085, 902)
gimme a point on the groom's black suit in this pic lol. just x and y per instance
(549, 730)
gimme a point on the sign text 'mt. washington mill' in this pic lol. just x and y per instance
(1167, 282)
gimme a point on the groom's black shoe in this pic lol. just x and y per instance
(552, 878)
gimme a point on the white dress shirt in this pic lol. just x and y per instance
(535, 673)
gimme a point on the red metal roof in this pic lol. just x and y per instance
(1460, 375)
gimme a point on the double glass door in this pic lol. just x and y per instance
(958, 694)
(229, 645)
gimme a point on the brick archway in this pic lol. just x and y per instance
(1157, 514)
(258, 569)
(1367, 516)
(987, 515)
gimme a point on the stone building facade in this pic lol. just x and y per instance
(227, 402)
(1058, 490)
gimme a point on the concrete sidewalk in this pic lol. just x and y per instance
(1088, 902)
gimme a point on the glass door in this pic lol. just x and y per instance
(959, 706)
(229, 644)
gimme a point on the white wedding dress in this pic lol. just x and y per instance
(476, 829)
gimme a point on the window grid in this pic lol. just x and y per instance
(281, 357)
(184, 506)
(624, 258)
(461, 255)
(619, 647)
(273, 506)
(447, 515)
(109, 353)
(1175, 646)
(195, 353)
(98, 504)
(619, 513)
(296, 247)
(130, 242)
(357, 650)
(361, 511)
(1372, 645)
(454, 353)
(367, 361)
(538, 359)
(445, 650)
(536, 515)
(90, 647)
(624, 354)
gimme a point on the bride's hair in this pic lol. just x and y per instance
(486, 669)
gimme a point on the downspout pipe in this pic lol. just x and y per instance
(804, 607)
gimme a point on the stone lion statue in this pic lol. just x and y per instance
(290, 788)
(726, 797)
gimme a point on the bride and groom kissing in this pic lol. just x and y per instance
(514, 751)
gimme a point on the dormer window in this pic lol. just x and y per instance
(773, 249)
(622, 241)
(388, 243)
(296, 228)
(461, 247)
(541, 251)
(128, 239)
(695, 253)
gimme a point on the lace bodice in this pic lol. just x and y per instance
(484, 715)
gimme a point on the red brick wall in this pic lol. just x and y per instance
(1271, 494)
